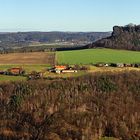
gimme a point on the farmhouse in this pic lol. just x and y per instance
(58, 69)
(62, 69)
(15, 71)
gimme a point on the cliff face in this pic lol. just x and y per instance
(127, 37)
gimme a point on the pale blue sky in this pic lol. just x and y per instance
(67, 15)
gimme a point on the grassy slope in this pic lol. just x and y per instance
(97, 55)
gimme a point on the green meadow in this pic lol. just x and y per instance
(93, 56)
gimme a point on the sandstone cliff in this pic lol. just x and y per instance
(127, 37)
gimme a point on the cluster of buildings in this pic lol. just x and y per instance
(119, 65)
(61, 69)
(16, 71)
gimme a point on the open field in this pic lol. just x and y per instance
(28, 58)
(41, 61)
(6, 78)
(93, 56)
(89, 56)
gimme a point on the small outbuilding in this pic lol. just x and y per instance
(15, 71)
(127, 65)
(120, 65)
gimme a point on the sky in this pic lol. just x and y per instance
(67, 15)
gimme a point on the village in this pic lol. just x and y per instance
(20, 71)
(61, 70)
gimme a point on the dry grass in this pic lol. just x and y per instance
(14, 134)
(111, 69)
(28, 58)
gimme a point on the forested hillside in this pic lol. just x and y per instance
(9, 41)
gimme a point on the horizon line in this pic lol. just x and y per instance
(24, 31)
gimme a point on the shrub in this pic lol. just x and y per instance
(106, 85)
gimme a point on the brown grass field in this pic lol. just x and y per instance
(28, 58)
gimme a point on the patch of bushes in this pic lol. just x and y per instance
(78, 67)
(105, 84)
(15, 101)
(74, 108)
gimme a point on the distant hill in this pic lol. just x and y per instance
(127, 37)
(21, 39)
